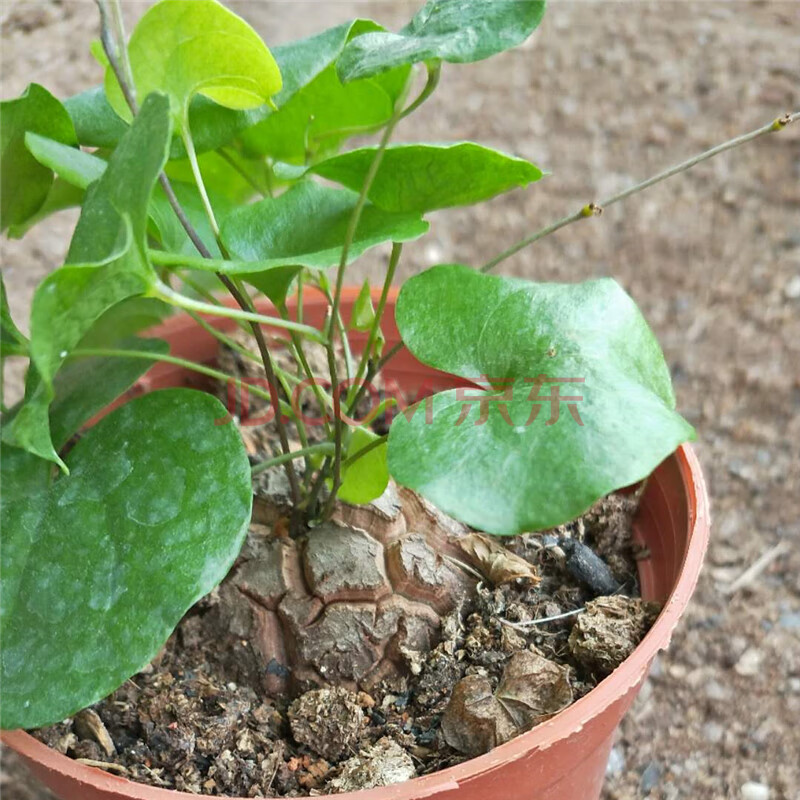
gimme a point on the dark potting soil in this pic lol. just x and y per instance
(183, 724)
(515, 652)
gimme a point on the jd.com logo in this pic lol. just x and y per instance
(488, 394)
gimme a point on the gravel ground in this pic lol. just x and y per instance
(605, 94)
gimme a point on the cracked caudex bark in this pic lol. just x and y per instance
(353, 601)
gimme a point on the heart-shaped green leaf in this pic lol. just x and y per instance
(267, 232)
(213, 125)
(424, 177)
(183, 49)
(107, 263)
(24, 183)
(100, 566)
(458, 31)
(82, 390)
(322, 113)
(523, 453)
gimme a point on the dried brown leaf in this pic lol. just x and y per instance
(498, 564)
(532, 690)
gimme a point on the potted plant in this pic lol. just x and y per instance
(205, 162)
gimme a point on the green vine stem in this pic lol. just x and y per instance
(245, 304)
(348, 462)
(366, 356)
(163, 292)
(202, 369)
(595, 209)
(322, 449)
(430, 85)
(223, 339)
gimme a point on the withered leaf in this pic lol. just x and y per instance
(532, 690)
(498, 564)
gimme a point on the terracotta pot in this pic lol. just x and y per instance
(562, 759)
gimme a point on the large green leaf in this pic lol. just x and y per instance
(100, 566)
(495, 467)
(106, 264)
(320, 114)
(82, 390)
(458, 31)
(424, 177)
(184, 49)
(268, 232)
(24, 183)
(213, 125)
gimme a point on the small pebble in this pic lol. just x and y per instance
(755, 791)
(650, 777)
(790, 621)
(716, 691)
(713, 732)
(749, 664)
(616, 762)
(792, 289)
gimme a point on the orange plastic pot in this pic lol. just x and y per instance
(562, 759)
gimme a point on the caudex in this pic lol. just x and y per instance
(205, 162)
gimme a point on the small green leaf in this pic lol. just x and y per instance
(495, 462)
(424, 177)
(106, 264)
(81, 169)
(12, 340)
(96, 123)
(171, 232)
(24, 183)
(321, 114)
(184, 49)
(70, 163)
(275, 283)
(85, 386)
(458, 31)
(268, 231)
(107, 260)
(368, 476)
(123, 320)
(61, 195)
(100, 566)
(363, 313)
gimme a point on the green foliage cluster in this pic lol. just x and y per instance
(205, 162)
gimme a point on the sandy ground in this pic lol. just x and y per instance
(605, 94)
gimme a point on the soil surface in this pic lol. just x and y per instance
(606, 94)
